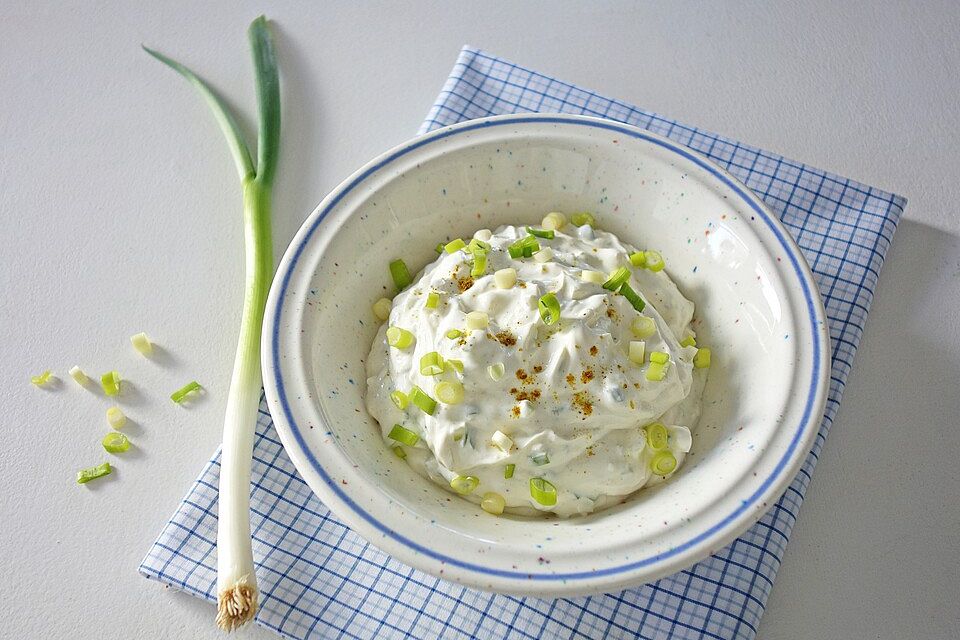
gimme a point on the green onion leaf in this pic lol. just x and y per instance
(115, 442)
(541, 233)
(426, 404)
(663, 463)
(616, 279)
(632, 296)
(476, 245)
(181, 394)
(400, 399)
(400, 274)
(464, 484)
(403, 435)
(454, 245)
(657, 436)
(86, 475)
(479, 264)
(110, 381)
(549, 308)
(453, 363)
(508, 471)
(431, 364)
(543, 492)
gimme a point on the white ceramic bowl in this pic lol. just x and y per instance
(762, 316)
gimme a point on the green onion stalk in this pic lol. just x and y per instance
(236, 581)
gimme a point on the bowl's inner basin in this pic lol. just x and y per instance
(709, 240)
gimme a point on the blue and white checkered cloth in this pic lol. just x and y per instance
(319, 579)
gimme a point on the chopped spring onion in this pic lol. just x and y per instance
(431, 364)
(702, 359)
(142, 344)
(399, 338)
(452, 363)
(657, 436)
(400, 399)
(505, 278)
(616, 279)
(400, 274)
(236, 577)
(439, 247)
(524, 247)
(502, 441)
(495, 370)
(689, 341)
(403, 435)
(540, 459)
(637, 349)
(657, 371)
(627, 292)
(493, 503)
(479, 264)
(541, 233)
(454, 245)
(79, 376)
(115, 442)
(381, 309)
(582, 218)
(544, 255)
(86, 475)
(426, 404)
(181, 394)
(596, 277)
(654, 261)
(508, 471)
(549, 308)
(449, 392)
(659, 357)
(42, 379)
(638, 259)
(115, 417)
(643, 327)
(483, 235)
(453, 334)
(110, 381)
(554, 221)
(399, 452)
(464, 484)
(477, 320)
(479, 245)
(433, 299)
(543, 492)
(663, 463)
(680, 439)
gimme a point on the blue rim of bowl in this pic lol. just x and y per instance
(669, 145)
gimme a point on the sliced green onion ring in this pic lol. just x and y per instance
(381, 309)
(400, 399)
(549, 308)
(454, 245)
(616, 279)
(431, 364)
(426, 404)
(663, 463)
(399, 452)
(540, 459)
(493, 503)
(181, 394)
(433, 300)
(508, 471)
(702, 358)
(657, 436)
(495, 370)
(657, 371)
(453, 334)
(541, 233)
(449, 392)
(689, 341)
(582, 218)
(464, 484)
(659, 357)
(115, 442)
(110, 381)
(43, 378)
(399, 338)
(479, 264)
(92, 473)
(403, 435)
(400, 274)
(543, 492)
(115, 418)
(643, 327)
(638, 259)
(654, 261)
(632, 296)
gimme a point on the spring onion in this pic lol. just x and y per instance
(657, 371)
(505, 278)
(493, 503)
(403, 435)
(142, 344)
(659, 357)
(543, 492)
(632, 296)
(453, 334)
(663, 463)
(596, 277)
(689, 341)
(236, 580)
(554, 221)
(702, 358)
(181, 394)
(431, 364)
(582, 218)
(540, 459)
(115, 442)
(479, 264)
(433, 300)
(541, 233)
(502, 441)
(483, 235)
(399, 452)
(656, 436)
(477, 320)
(453, 364)
(42, 379)
(400, 399)
(495, 370)
(115, 418)
(439, 247)
(654, 261)
(400, 274)
(643, 327)
(86, 475)
(399, 338)
(616, 279)
(544, 255)
(479, 245)
(549, 308)
(637, 349)
(524, 247)
(110, 381)
(79, 376)
(454, 245)
(419, 397)
(638, 259)
(508, 471)
(449, 392)
(464, 484)
(381, 309)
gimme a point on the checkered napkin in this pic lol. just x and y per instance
(319, 579)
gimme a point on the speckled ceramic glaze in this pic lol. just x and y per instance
(761, 316)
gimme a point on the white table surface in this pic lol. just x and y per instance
(120, 213)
